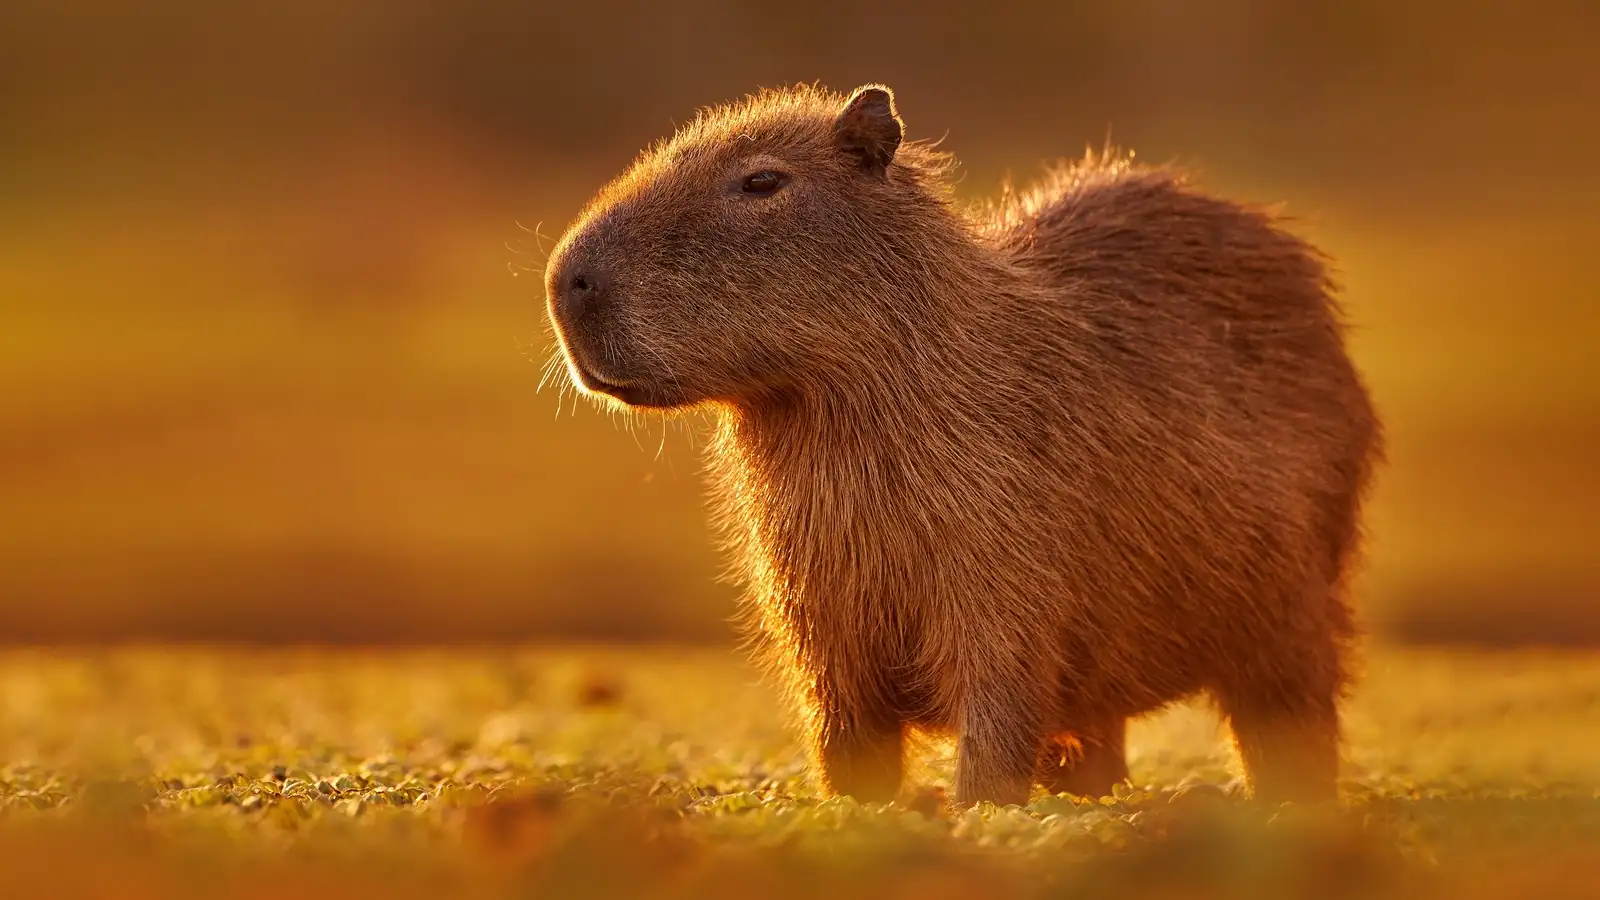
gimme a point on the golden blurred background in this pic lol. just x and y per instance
(271, 313)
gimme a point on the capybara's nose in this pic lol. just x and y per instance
(575, 288)
(577, 293)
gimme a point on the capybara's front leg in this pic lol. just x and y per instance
(999, 747)
(859, 751)
(1290, 750)
(1285, 722)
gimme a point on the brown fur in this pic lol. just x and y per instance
(1015, 474)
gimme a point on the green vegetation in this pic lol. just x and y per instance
(644, 773)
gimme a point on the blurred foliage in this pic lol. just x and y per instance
(669, 773)
(269, 328)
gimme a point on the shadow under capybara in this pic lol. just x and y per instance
(1013, 474)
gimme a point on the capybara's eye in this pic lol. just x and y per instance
(763, 184)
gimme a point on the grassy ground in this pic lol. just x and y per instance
(636, 773)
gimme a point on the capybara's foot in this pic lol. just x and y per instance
(1086, 763)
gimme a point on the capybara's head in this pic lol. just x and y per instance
(749, 254)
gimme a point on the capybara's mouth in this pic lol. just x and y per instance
(585, 373)
(629, 393)
(589, 381)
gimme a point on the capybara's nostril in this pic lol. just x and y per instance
(579, 294)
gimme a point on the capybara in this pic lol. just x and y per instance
(1011, 474)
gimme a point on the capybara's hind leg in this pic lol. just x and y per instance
(1285, 724)
(861, 755)
(1088, 762)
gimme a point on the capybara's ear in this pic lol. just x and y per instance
(869, 129)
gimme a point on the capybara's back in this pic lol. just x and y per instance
(1016, 475)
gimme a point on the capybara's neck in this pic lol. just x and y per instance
(946, 339)
(908, 417)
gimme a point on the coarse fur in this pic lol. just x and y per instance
(1013, 474)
